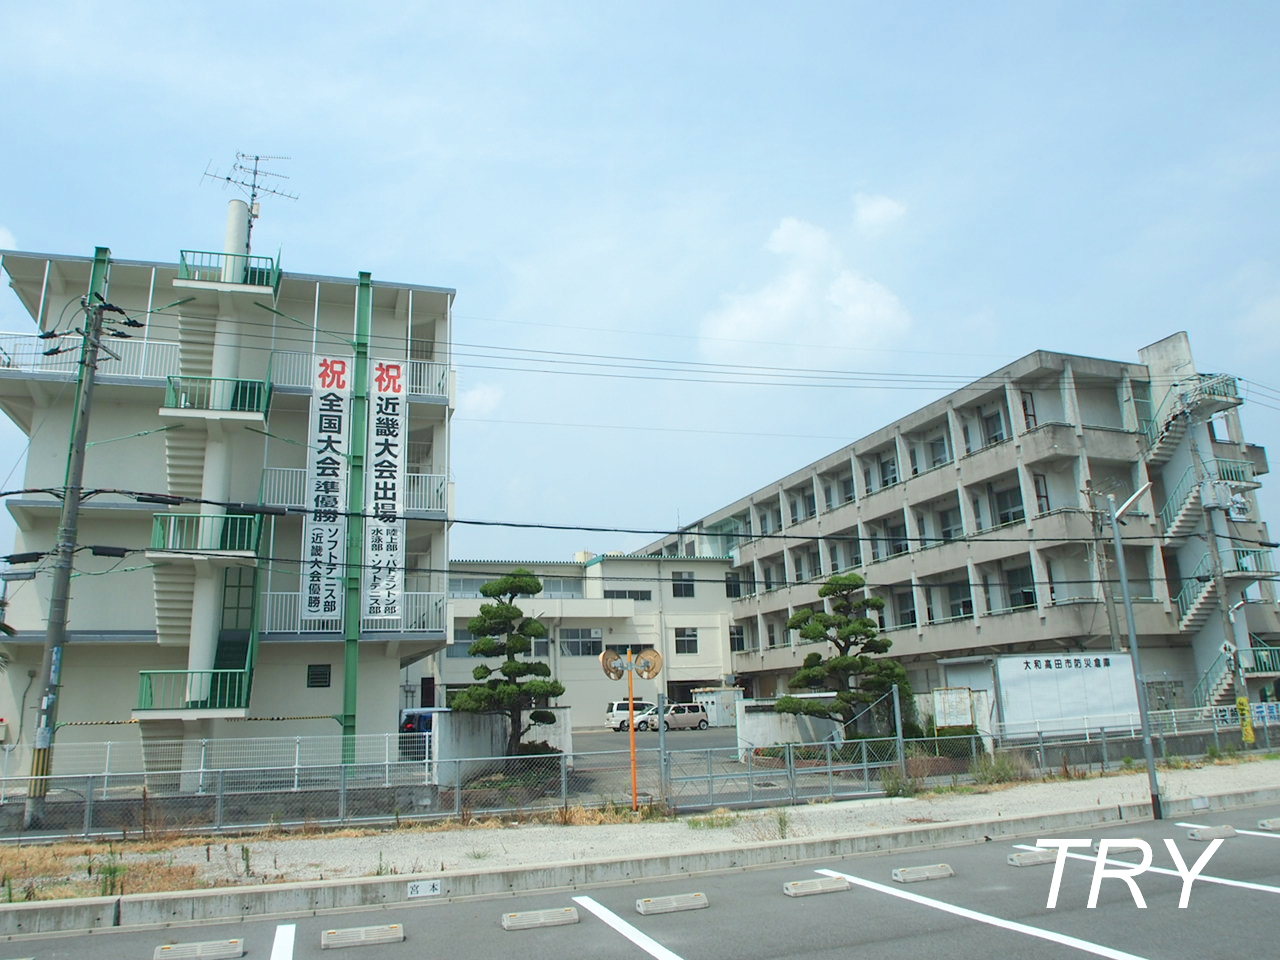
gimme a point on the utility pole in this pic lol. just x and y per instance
(49, 679)
(1101, 564)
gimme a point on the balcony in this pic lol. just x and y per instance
(286, 487)
(204, 267)
(22, 353)
(210, 398)
(220, 533)
(220, 692)
(423, 613)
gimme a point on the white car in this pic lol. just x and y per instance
(679, 716)
(617, 716)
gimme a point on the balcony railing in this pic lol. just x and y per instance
(235, 268)
(1265, 659)
(286, 487)
(193, 689)
(211, 533)
(214, 393)
(1184, 395)
(1231, 471)
(146, 359)
(1252, 561)
(424, 377)
(420, 612)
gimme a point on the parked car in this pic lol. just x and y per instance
(617, 716)
(679, 716)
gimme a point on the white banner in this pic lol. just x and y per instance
(384, 493)
(324, 530)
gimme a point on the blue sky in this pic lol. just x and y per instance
(923, 189)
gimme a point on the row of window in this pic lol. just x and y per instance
(583, 642)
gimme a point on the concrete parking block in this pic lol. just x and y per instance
(672, 904)
(807, 888)
(203, 950)
(935, 871)
(361, 936)
(530, 919)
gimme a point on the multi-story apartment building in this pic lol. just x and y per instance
(594, 603)
(224, 445)
(977, 520)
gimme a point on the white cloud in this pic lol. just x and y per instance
(873, 213)
(479, 401)
(814, 301)
(7, 241)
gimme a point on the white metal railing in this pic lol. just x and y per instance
(120, 757)
(283, 486)
(147, 359)
(282, 613)
(286, 487)
(294, 369)
(1164, 722)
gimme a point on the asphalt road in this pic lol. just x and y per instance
(988, 909)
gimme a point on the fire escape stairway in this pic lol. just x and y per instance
(1166, 442)
(1186, 518)
(174, 589)
(1200, 608)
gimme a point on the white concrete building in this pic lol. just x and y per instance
(213, 625)
(974, 519)
(604, 602)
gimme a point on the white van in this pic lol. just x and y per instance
(679, 716)
(616, 715)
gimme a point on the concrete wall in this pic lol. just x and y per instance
(757, 728)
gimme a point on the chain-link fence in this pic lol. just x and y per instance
(297, 782)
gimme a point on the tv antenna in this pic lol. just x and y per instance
(247, 173)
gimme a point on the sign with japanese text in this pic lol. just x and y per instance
(324, 529)
(384, 552)
(1059, 692)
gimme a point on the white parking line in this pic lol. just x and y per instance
(1242, 884)
(1085, 946)
(282, 948)
(1247, 833)
(641, 940)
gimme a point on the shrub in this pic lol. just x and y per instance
(895, 783)
(1003, 767)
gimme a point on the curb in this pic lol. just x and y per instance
(314, 897)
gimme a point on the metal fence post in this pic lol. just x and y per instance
(297, 758)
(564, 780)
(88, 805)
(866, 771)
(1042, 761)
(1217, 743)
(791, 773)
(897, 723)
(219, 806)
(386, 759)
(457, 789)
(342, 792)
(1266, 729)
(751, 777)
(711, 783)
(1102, 735)
(106, 769)
(831, 777)
(204, 753)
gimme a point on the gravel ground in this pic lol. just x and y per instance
(419, 850)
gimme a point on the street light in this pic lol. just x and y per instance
(1116, 513)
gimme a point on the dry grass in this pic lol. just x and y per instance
(60, 870)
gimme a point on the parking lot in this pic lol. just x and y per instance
(988, 908)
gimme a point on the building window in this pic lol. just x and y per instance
(561, 588)
(771, 635)
(1020, 582)
(462, 640)
(737, 638)
(237, 598)
(1042, 492)
(581, 641)
(904, 608)
(318, 674)
(628, 594)
(686, 639)
(733, 584)
(682, 583)
(959, 600)
(993, 427)
(1009, 505)
(846, 488)
(950, 525)
(888, 471)
(897, 537)
(1029, 409)
(938, 454)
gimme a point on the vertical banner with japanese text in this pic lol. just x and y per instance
(324, 529)
(384, 553)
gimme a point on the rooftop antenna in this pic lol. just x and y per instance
(246, 173)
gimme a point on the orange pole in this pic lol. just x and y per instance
(631, 726)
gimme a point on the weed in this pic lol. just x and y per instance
(1002, 767)
(895, 783)
(478, 854)
(1213, 753)
(715, 820)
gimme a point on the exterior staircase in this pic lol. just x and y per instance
(174, 589)
(184, 462)
(1184, 520)
(1196, 607)
(1166, 441)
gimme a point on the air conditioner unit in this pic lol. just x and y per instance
(596, 633)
